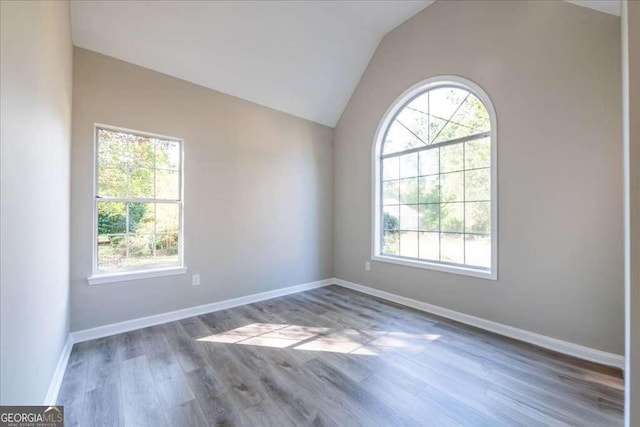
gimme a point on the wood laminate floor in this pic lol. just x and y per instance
(332, 357)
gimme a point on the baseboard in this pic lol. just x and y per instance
(143, 322)
(58, 374)
(564, 347)
(560, 346)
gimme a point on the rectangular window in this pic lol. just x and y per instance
(138, 202)
(440, 207)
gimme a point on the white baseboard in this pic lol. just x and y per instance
(143, 322)
(157, 319)
(564, 347)
(560, 346)
(58, 374)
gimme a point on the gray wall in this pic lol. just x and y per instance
(553, 72)
(35, 131)
(632, 137)
(258, 191)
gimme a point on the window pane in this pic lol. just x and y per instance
(112, 218)
(477, 185)
(454, 130)
(452, 187)
(167, 218)
(140, 250)
(470, 119)
(391, 218)
(391, 192)
(420, 107)
(390, 168)
(429, 162)
(444, 101)
(141, 182)
(457, 127)
(409, 165)
(452, 217)
(478, 217)
(409, 217)
(166, 248)
(409, 244)
(141, 218)
(451, 158)
(398, 139)
(167, 185)
(452, 248)
(142, 152)
(167, 154)
(420, 103)
(409, 191)
(416, 123)
(478, 250)
(478, 153)
(391, 243)
(429, 189)
(436, 124)
(473, 115)
(113, 149)
(429, 217)
(112, 252)
(112, 181)
(430, 246)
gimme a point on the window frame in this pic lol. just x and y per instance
(377, 209)
(147, 271)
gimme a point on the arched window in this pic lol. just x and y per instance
(435, 189)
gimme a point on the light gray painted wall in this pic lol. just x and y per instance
(258, 191)
(631, 15)
(553, 72)
(35, 125)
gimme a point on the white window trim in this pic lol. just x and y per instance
(125, 276)
(99, 277)
(389, 115)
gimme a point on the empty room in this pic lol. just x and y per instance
(337, 213)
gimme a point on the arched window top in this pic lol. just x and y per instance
(435, 198)
(444, 112)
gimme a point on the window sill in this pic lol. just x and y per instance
(464, 271)
(135, 275)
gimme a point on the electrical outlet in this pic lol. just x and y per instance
(367, 266)
(195, 279)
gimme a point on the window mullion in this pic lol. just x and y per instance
(127, 238)
(429, 116)
(155, 205)
(438, 145)
(136, 200)
(439, 206)
(464, 204)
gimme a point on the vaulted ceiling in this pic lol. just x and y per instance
(301, 57)
(612, 7)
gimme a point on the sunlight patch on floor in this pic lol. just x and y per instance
(312, 338)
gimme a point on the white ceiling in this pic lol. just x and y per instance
(301, 57)
(611, 7)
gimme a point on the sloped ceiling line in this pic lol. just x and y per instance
(304, 57)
